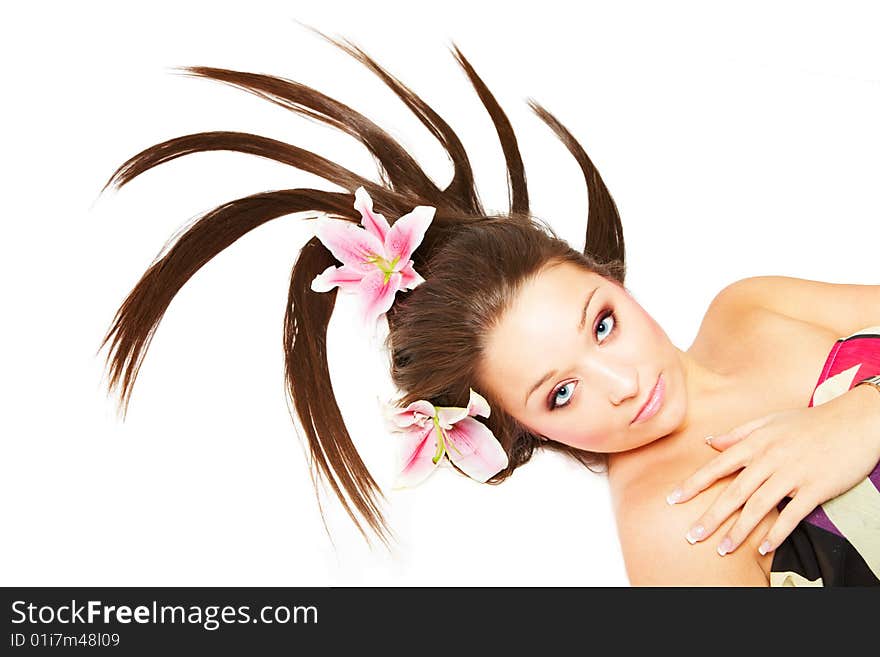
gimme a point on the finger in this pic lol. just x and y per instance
(795, 511)
(722, 441)
(720, 466)
(759, 504)
(731, 499)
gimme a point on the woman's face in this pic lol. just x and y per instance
(580, 377)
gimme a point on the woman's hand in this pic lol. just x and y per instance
(808, 454)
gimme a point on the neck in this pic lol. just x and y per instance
(704, 388)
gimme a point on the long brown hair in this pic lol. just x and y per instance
(436, 331)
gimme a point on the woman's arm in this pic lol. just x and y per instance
(656, 552)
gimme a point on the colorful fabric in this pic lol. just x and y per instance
(838, 543)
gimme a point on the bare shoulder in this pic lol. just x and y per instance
(839, 308)
(656, 553)
(733, 313)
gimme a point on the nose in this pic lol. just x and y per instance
(619, 380)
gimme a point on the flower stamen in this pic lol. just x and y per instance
(441, 444)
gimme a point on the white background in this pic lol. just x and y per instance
(737, 141)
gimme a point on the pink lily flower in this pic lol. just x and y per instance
(375, 258)
(431, 431)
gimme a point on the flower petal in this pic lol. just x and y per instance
(345, 277)
(375, 223)
(376, 294)
(407, 416)
(473, 448)
(449, 415)
(407, 233)
(477, 405)
(348, 243)
(416, 453)
(409, 277)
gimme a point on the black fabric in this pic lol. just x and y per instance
(813, 552)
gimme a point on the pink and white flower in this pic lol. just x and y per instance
(431, 431)
(375, 258)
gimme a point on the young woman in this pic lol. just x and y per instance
(617, 386)
(495, 317)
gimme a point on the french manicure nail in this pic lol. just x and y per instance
(674, 496)
(765, 547)
(725, 546)
(695, 534)
(708, 440)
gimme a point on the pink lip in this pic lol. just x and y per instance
(655, 401)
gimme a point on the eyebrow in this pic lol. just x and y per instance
(579, 328)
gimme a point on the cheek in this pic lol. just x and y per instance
(644, 319)
(589, 443)
(658, 330)
(570, 431)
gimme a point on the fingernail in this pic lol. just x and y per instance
(725, 546)
(765, 547)
(708, 440)
(674, 496)
(695, 534)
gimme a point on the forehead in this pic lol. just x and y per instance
(543, 317)
(550, 295)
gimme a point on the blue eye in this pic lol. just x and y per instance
(561, 396)
(561, 400)
(604, 322)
